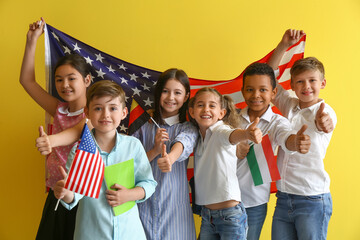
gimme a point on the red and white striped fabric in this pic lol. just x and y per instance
(87, 169)
(233, 87)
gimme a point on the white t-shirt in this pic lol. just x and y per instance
(278, 129)
(215, 167)
(304, 174)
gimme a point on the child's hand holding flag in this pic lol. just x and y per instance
(60, 191)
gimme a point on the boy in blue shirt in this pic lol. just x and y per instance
(95, 220)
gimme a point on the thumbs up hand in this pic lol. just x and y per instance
(242, 149)
(323, 120)
(302, 141)
(164, 162)
(254, 133)
(59, 189)
(43, 142)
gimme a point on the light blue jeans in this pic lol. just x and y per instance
(256, 217)
(227, 223)
(301, 217)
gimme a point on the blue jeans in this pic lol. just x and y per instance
(227, 223)
(301, 217)
(256, 217)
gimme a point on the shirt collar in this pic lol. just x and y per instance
(65, 110)
(312, 108)
(266, 116)
(172, 120)
(118, 137)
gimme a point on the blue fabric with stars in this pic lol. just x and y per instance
(87, 142)
(137, 82)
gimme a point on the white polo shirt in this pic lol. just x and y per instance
(215, 167)
(304, 174)
(279, 130)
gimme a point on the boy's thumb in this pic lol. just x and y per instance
(253, 125)
(63, 172)
(321, 109)
(41, 132)
(302, 129)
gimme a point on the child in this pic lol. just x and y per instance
(217, 189)
(71, 80)
(167, 214)
(95, 220)
(305, 184)
(259, 88)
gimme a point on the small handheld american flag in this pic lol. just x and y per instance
(87, 169)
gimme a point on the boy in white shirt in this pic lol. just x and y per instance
(259, 88)
(304, 204)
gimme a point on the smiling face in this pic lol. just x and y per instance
(306, 86)
(70, 84)
(173, 96)
(105, 113)
(258, 93)
(206, 110)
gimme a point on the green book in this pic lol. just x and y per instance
(123, 174)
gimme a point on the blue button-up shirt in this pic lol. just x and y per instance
(95, 218)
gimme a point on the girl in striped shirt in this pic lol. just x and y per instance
(167, 214)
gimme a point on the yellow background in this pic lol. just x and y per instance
(209, 40)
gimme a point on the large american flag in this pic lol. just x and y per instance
(87, 169)
(139, 82)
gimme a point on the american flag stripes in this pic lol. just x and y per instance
(87, 169)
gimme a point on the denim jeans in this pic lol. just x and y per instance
(227, 223)
(301, 217)
(256, 217)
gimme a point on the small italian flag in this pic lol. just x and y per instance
(262, 162)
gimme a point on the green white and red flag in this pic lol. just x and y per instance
(262, 162)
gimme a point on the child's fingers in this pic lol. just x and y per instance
(116, 187)
(253, 125)
(41, 132)
(63, 172)
(302, 130)
(321, 110)
(163, 152)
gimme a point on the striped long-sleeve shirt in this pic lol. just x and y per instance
(167, 214)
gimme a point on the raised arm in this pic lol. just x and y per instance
(290, 37)
(27, 74)
(45, 142)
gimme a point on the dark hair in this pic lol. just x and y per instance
(309, 63)
(179, 75)
(76, 61)
(260, 69)
(231, 117)
(105, 88)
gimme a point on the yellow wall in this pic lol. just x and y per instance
(209, 40)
